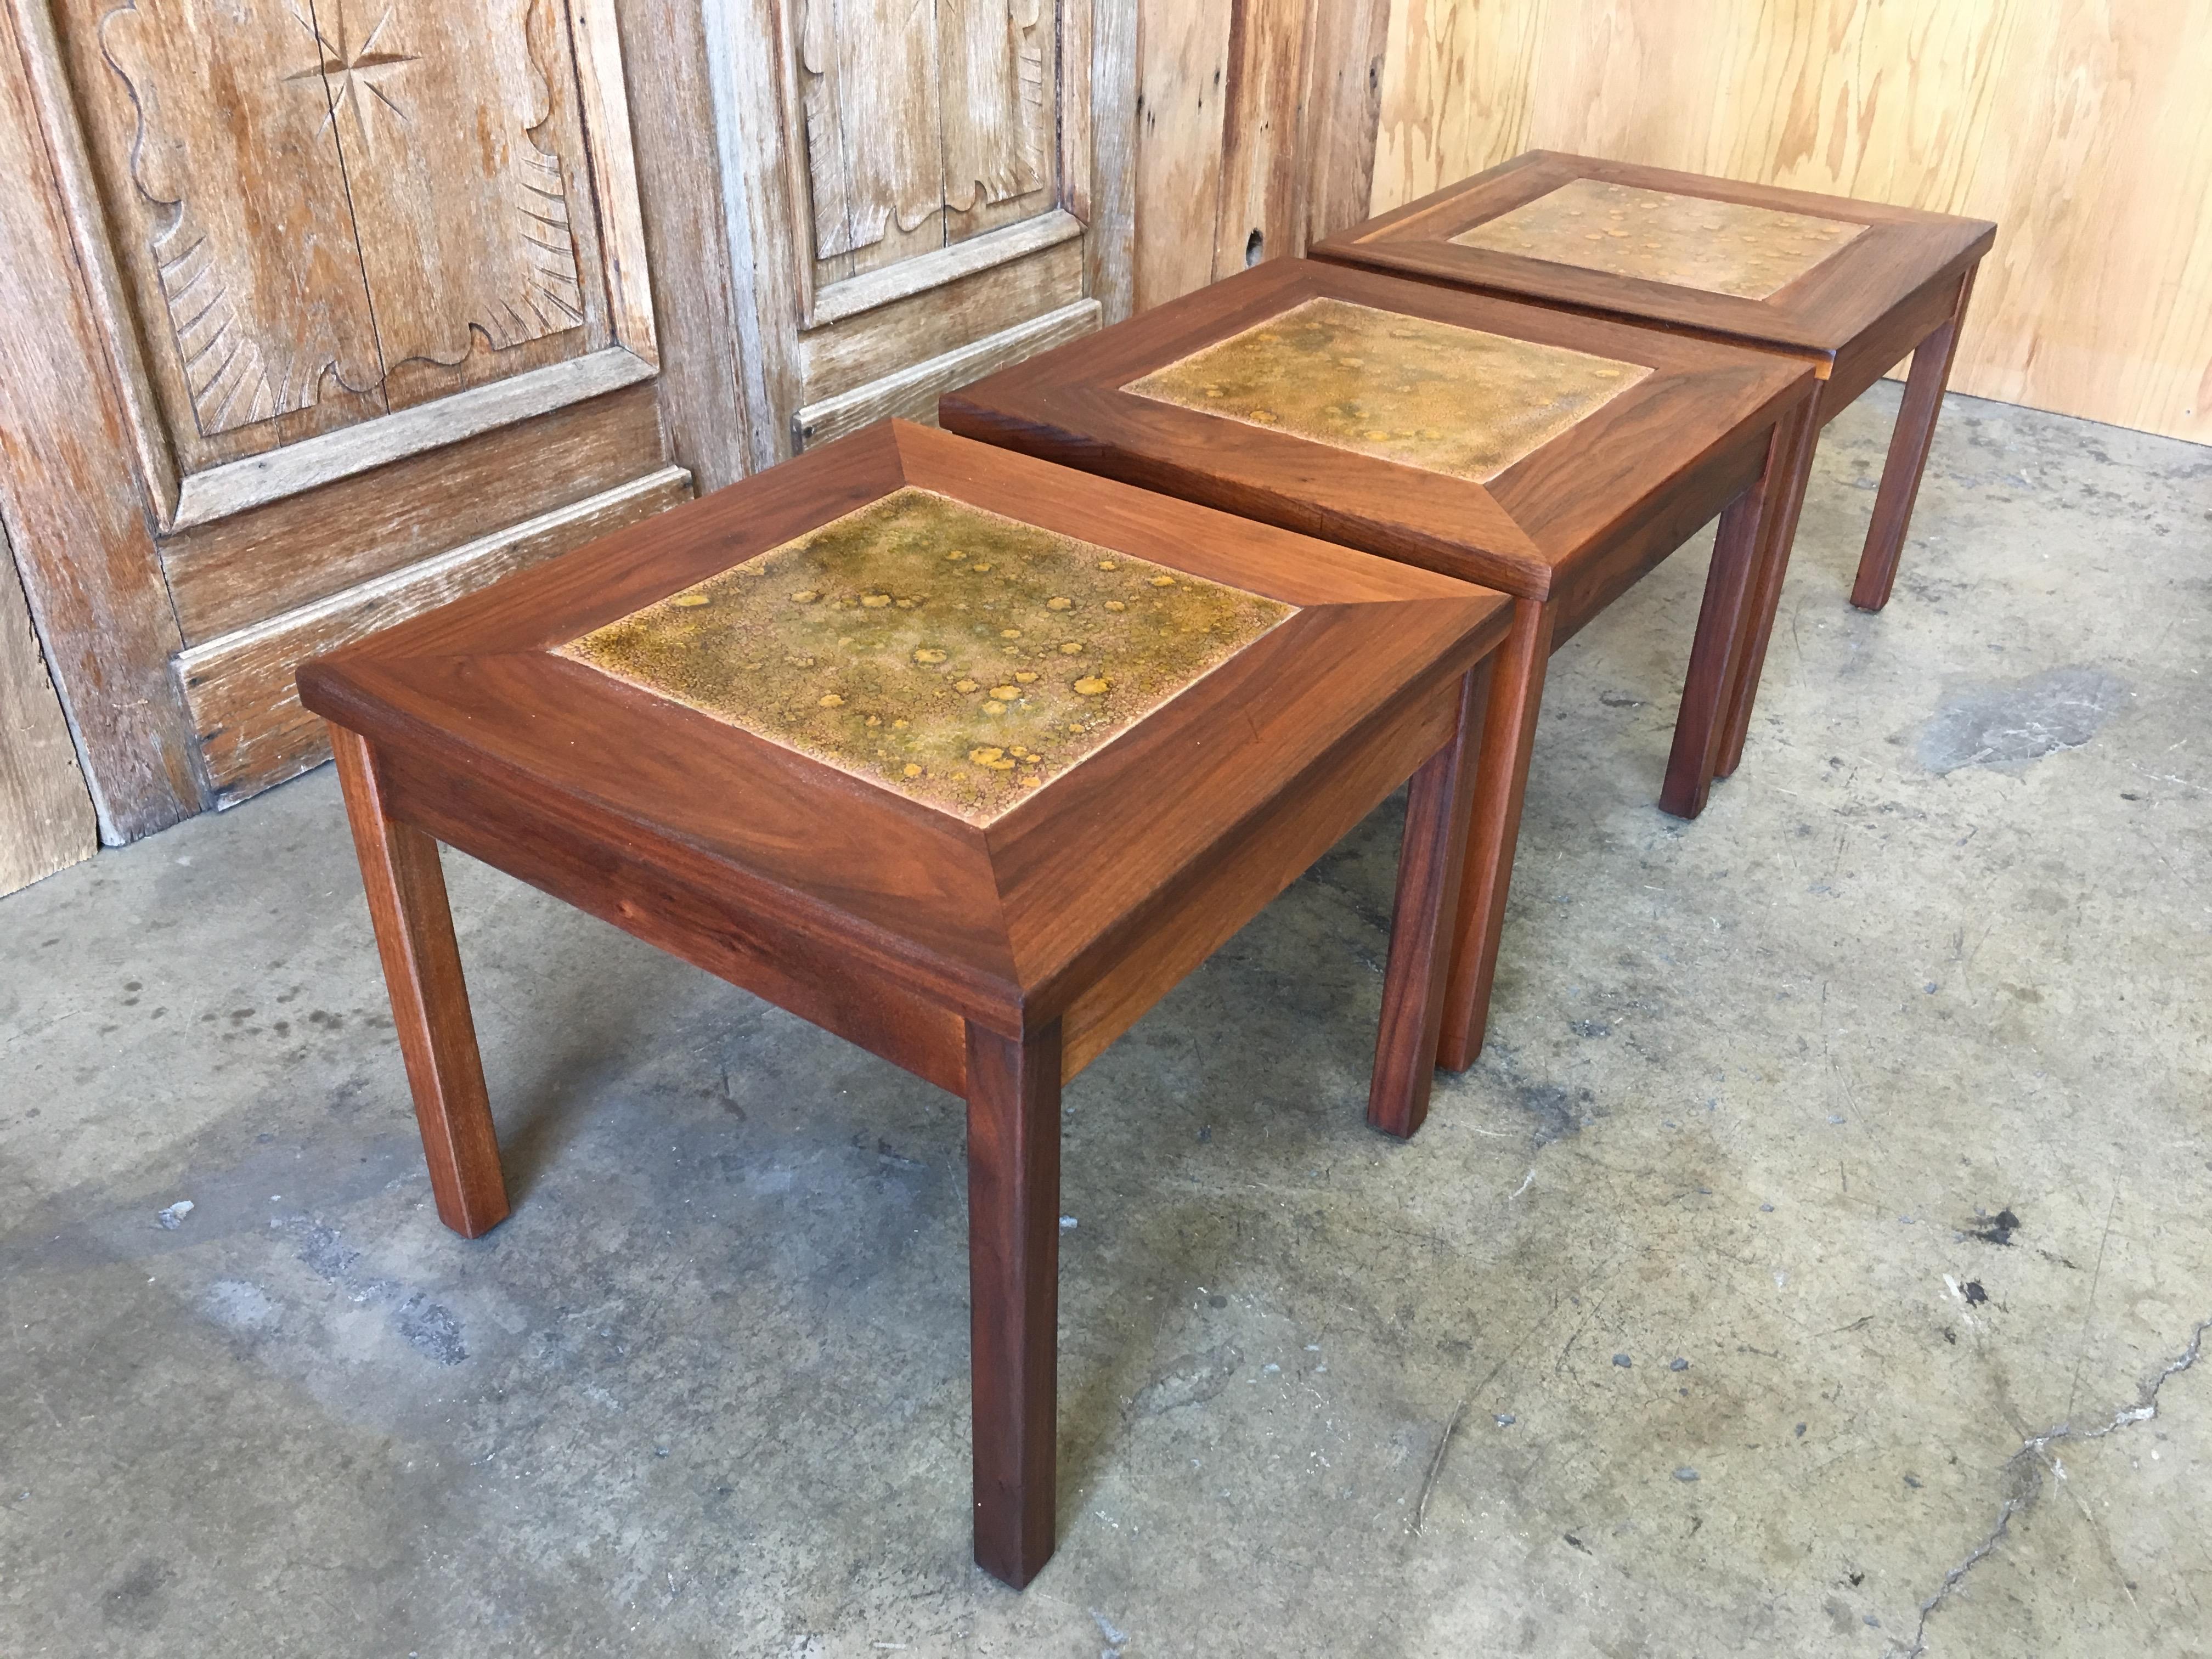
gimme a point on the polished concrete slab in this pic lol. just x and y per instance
(1818, 1262)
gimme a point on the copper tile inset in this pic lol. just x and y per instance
(1426, 394)
(960, 658)
(1690, 241)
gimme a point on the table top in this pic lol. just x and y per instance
(1659, 236)
(1429, 395)
(964, 715)
(957, 656)
(1745, 262)
(1510, 444)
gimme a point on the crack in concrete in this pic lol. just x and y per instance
(2031, 1487)
(1437, 1463)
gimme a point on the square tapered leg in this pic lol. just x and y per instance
(1013, 1277)
(1908, 456)
(1431, 870)
(1790, 468)
(406, 888)
(1501, 780)
(1727, 628)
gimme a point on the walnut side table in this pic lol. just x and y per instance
(1554, 457)
(1852, 286)
(962, 756)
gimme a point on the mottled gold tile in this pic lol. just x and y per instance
(1427, 394)
(958, 657)
(1689, 241)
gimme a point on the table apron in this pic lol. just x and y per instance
(1655, 529)
(836, 990)
(1889, 342)
(1216, 897)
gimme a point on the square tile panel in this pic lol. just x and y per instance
(1688, 241)
(934, 648)
(1400, 388)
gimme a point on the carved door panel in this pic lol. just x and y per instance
(915, 189)
(370, 274)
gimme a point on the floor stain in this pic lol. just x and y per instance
(2010, 723)
(1189, 1381)
(136, 1603)
(1995, 1229)
(430, 1327)
(240, 1305)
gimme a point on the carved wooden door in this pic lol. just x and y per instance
(917, 193)
(369, 277)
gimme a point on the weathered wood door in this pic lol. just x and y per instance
(918, 192)
(45, 816)
(362, 285)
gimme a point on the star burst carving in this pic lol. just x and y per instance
(352, 75)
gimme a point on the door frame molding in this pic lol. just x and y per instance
(744, 39)
(83, 543)
(835, 301)
(46, 818)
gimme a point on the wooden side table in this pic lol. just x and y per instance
(962, 756)
(1557, 457)
(1851, 287)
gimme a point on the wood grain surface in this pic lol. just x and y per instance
(1432, 861)
(1256, 132)
(770, 245)
(300, 263)
(987, 915)
(1262, 159)
(843, 357)
(1851, 286)
(1183, 76)
(903, 185)
(1890, 278)
(702, 388)
(254, 732)
(1116, 126)
(46, 817)
(72, 508)
(1545, 527)
(911, 393)
(2079, 127)
(1514, 695)
(239, 571)
(1013, 1276)
(1344, 105)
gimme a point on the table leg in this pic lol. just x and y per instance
(1797, 438)
(1430, 863)
(414, 926)
(1908, 456)
(1509, 731)
(1720, 643)
(1014, 1280)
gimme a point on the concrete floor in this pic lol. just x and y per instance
(1815, 1264)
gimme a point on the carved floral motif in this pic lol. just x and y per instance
(336, 189)
(994, 70)
(914, 107)
(868, 80)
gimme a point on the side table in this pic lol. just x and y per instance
(1554, 457)
(962, 756)
(1851, 287)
